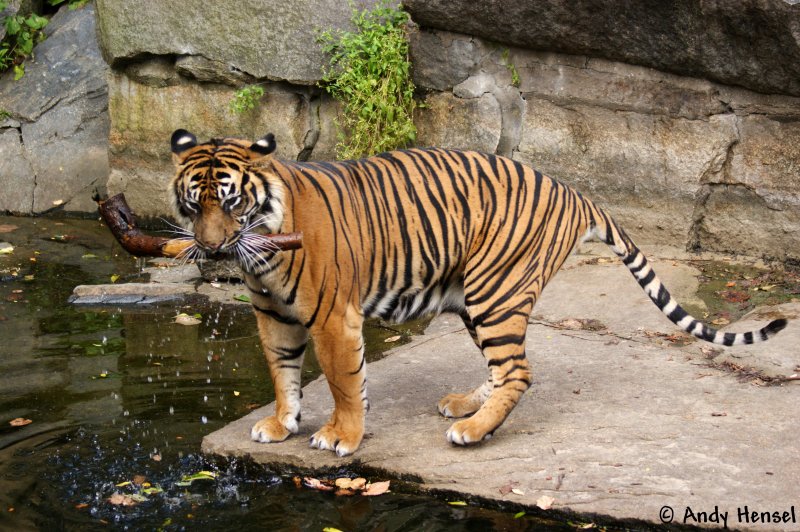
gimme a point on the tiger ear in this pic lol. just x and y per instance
(263, 147)
(181, 141)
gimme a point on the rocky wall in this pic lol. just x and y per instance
(684, 123)
(675, 159)
(54, 123)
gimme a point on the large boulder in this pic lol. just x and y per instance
(267, 40)
(54, 139)
(750, 43)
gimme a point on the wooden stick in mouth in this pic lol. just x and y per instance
(120, 219)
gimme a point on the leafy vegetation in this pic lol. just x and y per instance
(371, 75)
(246, 99)
(512, 68)
(23, 32)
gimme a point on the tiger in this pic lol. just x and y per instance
(397, 236)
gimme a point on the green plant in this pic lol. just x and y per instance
(371, 75)
(73, 4)
(245, 99)
(512, 68)
(22, 33)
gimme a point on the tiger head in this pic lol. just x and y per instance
(224, 190)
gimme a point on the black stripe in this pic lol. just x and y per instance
(647, 278)
(677, 315)
(286, 320)
(748, 337)
(504, 360)
(728, 338)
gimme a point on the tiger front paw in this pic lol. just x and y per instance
(342, 442)
(271, 429)
(467, 431)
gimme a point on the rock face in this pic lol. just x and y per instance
(54, 140)
(749, 43)
(267, 40)
(150, 100)
(656, 149)
(683, 121)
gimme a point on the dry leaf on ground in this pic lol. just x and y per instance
(545, 502)
(20, 422)
(376, 488)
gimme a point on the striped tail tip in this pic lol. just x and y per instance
(774, 327)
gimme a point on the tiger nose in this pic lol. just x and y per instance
(210, 246)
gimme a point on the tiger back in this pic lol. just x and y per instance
(397, 236)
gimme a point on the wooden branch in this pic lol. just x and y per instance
(120, 219)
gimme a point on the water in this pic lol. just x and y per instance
(119, 399)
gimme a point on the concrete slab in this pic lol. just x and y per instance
(620, 421)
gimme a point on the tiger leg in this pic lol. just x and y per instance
(500, 323)
(340, 351)
(284, 342)
(465, 404)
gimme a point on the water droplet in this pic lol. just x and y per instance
(204, 420)
(171, 410)
(205, 398)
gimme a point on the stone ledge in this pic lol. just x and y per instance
(617, 422)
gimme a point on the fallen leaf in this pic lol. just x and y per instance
(243, 298)
(545, 502)
(123, 484)
(139, 479)
(376, 488)
(357, 484)
(298, 482)
(316, 484)
(457, 503)
(156, 457)
(392, 339)
(517, 491)
(719, 414)
(89, 256)
(235, 393)
(58, 202)
(6, 248)
(187, 480)
(216, 285)
(730, 284)
(114, 278)
(330, 529)
(505, 490)
(81, 506)
(7, 228)
(20, 422)
(185, 319)
(120, 499)
(519, 515)
(721, 321)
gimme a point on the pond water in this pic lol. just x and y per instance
(119, 399)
